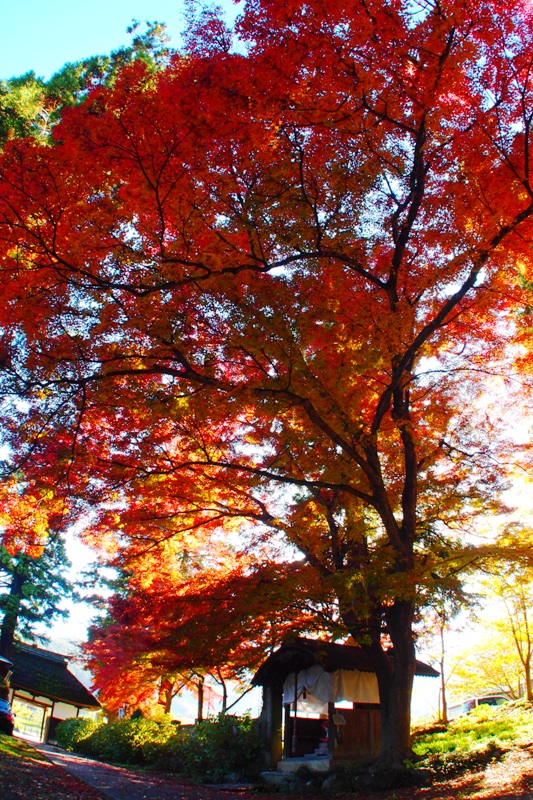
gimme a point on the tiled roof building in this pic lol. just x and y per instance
(45, 691)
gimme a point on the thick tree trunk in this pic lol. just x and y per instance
(395, 691)
(395, 672)
(11, 615)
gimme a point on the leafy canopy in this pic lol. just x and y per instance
(268, 287)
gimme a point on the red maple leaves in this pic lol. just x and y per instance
(261, 287)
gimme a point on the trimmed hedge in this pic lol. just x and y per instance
(124, 741)
(214, 750)
(72, 731)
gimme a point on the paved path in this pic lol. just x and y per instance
(118, 783)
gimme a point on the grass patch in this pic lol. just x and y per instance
(16, 748)
(473, 741)
(500, 724)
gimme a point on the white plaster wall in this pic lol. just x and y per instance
(65, 711)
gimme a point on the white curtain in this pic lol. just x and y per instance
(322, 687)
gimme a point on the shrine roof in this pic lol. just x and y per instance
(304, 653)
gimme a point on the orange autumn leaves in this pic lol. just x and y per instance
(256, 293)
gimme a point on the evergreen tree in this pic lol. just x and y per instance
(31, 591)
(30, 106)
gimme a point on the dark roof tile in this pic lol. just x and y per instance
(304, 653)
(44, 673)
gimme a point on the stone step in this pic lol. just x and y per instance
(273, 778)
(318, 764)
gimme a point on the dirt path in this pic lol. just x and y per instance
(118, 783)
(509, 778)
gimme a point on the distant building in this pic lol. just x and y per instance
(44, 692)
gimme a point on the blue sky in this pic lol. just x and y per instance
(42, 35)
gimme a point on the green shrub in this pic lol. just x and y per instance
(213, 750)
(167, 754)
(124, 741)
(72, 731)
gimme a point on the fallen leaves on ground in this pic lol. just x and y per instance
(25, 774)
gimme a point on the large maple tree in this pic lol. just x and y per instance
(264, 288)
